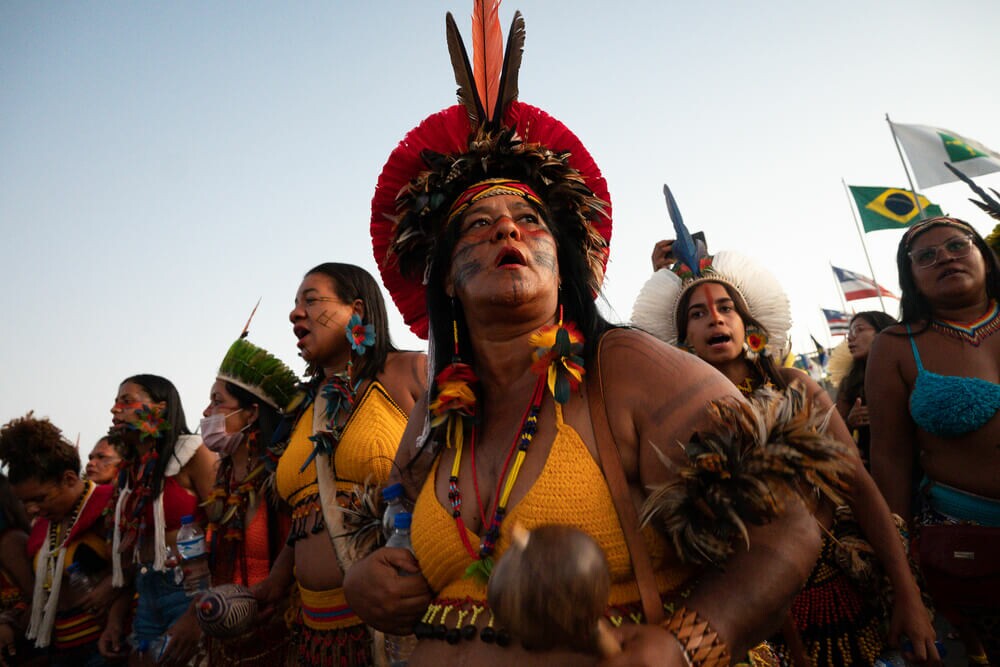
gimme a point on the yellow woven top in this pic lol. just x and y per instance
(571, 491)
(365, 451)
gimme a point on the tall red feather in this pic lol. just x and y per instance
(487, 51)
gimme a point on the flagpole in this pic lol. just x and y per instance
(864, 246)
(916, 197)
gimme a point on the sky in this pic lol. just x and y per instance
(165, 165)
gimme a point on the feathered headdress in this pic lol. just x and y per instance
(258, 371)
(490, 134)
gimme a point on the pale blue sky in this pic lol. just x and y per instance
(163, 165)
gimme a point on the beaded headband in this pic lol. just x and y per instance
(941, 221)
(491, 188)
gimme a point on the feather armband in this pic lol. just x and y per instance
(739, 469)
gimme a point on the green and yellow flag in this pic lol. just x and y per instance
(890, 208)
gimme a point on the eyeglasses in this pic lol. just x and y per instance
(857, 329)
(957, 247)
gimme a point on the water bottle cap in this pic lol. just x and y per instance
(403, 520)
(392, 492)
(186, 519)
(73, 567)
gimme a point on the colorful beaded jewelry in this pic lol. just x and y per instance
(974, 332)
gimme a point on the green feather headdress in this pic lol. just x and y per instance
(259, 372)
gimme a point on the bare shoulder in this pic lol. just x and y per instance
(405, 377)
(889, 345)
(801, 379)
(631, 355)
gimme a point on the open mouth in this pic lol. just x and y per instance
(300, 332)
(510, 257)
(719, 339)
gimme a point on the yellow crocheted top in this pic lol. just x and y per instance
(571, 491)
(365, 452)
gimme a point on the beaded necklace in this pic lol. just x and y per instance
(230, 500)
(56, 539)
(557, 362)
(505, 483)
(974, 332)
(140, 480)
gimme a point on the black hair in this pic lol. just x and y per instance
(36, 449)
(913, 306)
(351, 282)
(161, 390)
(268, 417)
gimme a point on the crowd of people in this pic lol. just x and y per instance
(742, 514)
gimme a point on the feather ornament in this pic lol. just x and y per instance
(684, 247)
(487, 52)
(507, 90)
(468, 94)
(739, 470)
(989, 205)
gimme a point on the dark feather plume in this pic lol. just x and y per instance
(467, 93)
(988, 204)
(740, 469)
(511, 67)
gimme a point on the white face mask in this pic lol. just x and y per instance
(213, 434)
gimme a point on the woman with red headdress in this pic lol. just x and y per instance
(491, 224)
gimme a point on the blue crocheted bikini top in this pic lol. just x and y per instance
(949, 405)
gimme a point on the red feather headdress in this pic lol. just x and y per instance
(490, 134)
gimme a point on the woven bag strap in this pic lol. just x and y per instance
(614, 474)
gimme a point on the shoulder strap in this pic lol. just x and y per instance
(614, 474)
(916, 355)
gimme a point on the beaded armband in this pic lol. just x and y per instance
(700, 642)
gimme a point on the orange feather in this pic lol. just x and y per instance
(487, 51)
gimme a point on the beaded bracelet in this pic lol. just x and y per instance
(700, 642)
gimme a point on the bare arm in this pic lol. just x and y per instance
(199, 472)
(765, 577)
(893, 433)
(374, 586)
(17, 565)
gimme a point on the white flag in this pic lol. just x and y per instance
(928, 148)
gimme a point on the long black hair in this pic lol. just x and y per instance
(913, 306)
(351, 282)
(161, 390)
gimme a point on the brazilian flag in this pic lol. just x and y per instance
(890, 208)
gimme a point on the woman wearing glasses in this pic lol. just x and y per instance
(933, 393)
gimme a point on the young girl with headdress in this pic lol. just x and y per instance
(933, 388)
(333, 453)
(733, 314)
(165, 473)
(69, 529)
(490, 223)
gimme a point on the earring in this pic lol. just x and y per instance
(360, 336)
(754, 343)
(455, 398)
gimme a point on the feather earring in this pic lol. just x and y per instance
(455, 401)
(557, 353)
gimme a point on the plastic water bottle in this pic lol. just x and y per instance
(78, 579)
(393, 497)
(399, 647)
(893, 658)
(194, 556)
